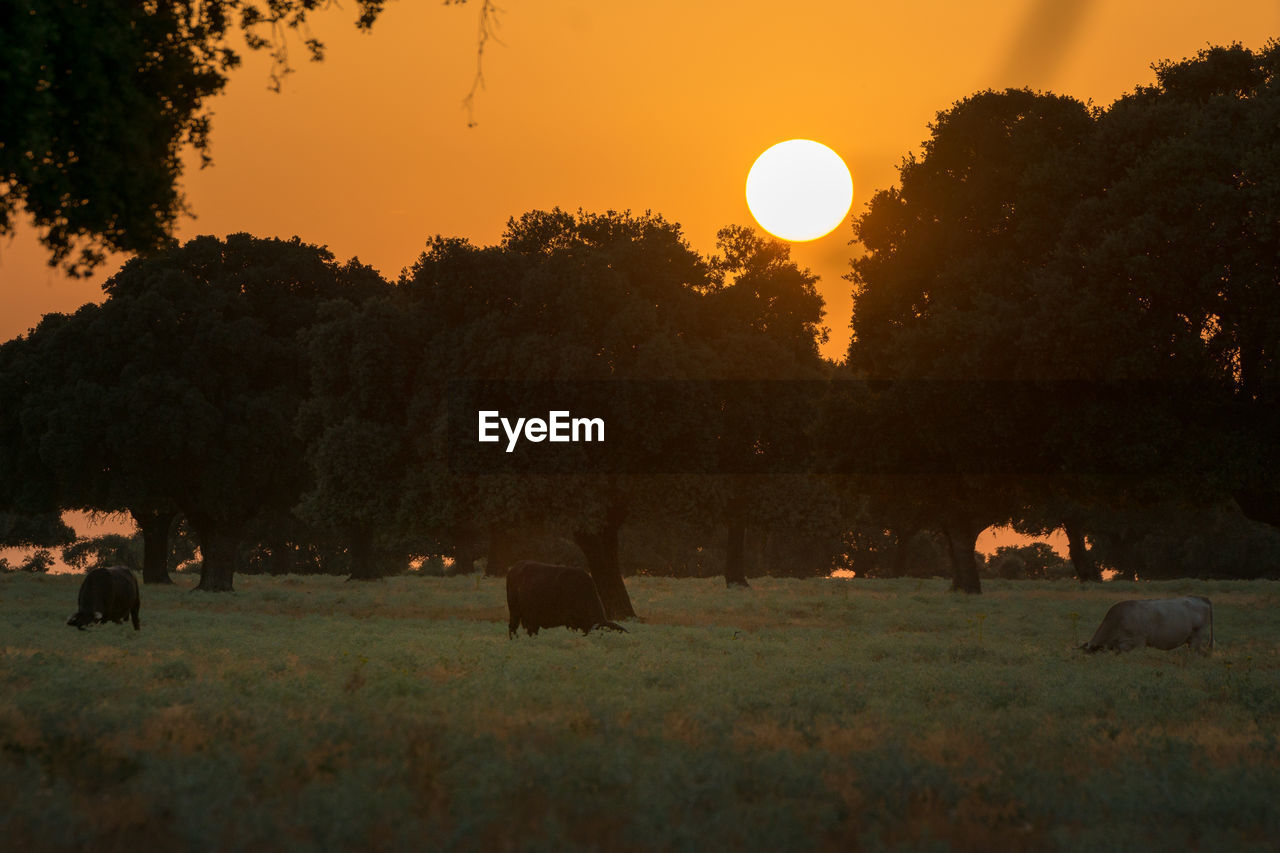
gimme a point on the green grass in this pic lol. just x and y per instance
(305, 713)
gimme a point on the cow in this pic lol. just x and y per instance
(541, 595)
(1163, 623)
(107, 595)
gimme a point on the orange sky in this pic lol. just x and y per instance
(659, 105)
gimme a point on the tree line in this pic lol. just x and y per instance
(1064, 317)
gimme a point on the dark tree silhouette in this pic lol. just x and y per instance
(604, 298)
(180, 390)
(766, 333)
(1131, 251)
(100, 99)
(941, 296)
(42, 530)
(57, 447)
(356, 424)
(567, 297)
(1172, 261)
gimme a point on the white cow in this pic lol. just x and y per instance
(1164, 623)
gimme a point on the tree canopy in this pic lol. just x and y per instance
(100, 99)
(1126, 254)
(179, 392)
(1064, 316)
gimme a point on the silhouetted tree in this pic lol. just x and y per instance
(42, 530)
(356, 423)
(100, 100)
(944, 302)
(582, 297)
(180, 391)
(1169, 265)
(1033, 561)
(1132, 251)
(765, 331)
(57, 433)
(1052, 512)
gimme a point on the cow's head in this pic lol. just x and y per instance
(80, 619)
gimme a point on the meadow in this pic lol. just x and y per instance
(312, 713)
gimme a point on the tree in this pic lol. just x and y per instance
(1127, 254)
(100, 98)
(564, 297)
(355, 423)
(1054, 511)
(38, 563)
(940, 306)
(43, 530)
(179, 392)
(1173, 260)
(59, 379)
(111, 549)
(766, 333)
(1036, 561)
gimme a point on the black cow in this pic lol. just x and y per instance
(107, 595)
(540, 595)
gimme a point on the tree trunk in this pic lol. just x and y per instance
(281, 557)
(360, 550)
(735, 568)
(501, 552)
(1086, 567)
(962, 539)
(155, 526)
(464, 558)
(600, 547)
(902, 539)
(219, 542)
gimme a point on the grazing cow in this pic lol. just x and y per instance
(107, 595)
(1164, 623)
(540, 595)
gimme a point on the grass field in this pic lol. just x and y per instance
(305, 713)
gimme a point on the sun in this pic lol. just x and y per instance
(799, 190)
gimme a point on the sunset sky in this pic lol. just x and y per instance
(659, 105)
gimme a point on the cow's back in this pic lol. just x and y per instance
(532, 599)
(126, 598)
(107, 595)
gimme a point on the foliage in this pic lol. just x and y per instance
(37, 562)
(941, 301)
(587, 298)
(809, 714)
(46, 530)
(355, 423)
(1035, 560)
(297, 410)
(111, 549)
(195, 356)
(1181, 540)
(100, 100)
(1126, 255)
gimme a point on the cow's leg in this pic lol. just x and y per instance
(133, 614)
(513, 607)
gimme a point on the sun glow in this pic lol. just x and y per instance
(799, 190)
